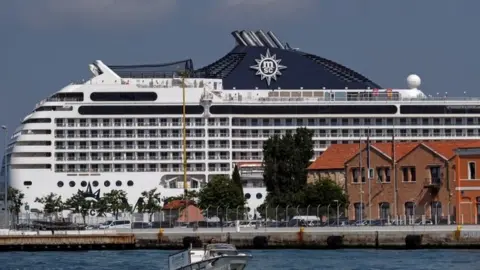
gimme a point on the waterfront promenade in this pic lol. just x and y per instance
(396, 237)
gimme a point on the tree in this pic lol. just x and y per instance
(15, 198)
(325, 192)
(150, 203)
(222, 193)
(79, 204)
(237, 179)
(52, 203)
(115, 202)
(286, 160)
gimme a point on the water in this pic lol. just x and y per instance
(264, 260)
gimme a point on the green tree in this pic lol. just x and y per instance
(150, 203)
(115, 202)
(285, 160)
(237, 179)
(325, 192)
(79, 204)
(222, 193)
(15, 199)
(52, 204)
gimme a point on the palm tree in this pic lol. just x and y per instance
(150, 203)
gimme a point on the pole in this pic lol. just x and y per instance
(394, 171)
(5, 198)
(184, 117)
(361, 178)
(368, 179)
(338, 213)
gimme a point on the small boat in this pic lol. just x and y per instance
(212, 257)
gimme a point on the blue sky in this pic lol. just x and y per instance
(46, 44)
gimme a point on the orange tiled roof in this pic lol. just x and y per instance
(337, 154)
(176, 204)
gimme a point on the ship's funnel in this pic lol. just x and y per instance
(261, 35)
(248, 39)
(238, 38)
(256, 39)
(275, 39)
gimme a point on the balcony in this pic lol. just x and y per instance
(433, 183)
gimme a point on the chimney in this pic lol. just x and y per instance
(265, 39)
(256, 39)
(238, 38)
(247, 38)
(275, 39)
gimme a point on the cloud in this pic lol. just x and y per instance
(92, 12)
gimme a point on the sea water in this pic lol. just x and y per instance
(351, 259)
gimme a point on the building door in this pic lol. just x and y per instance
(436, 210)
(410, 213)
(359, 211)
(384, 211)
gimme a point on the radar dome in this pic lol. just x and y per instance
(413, 81)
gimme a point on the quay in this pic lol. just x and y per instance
(65, 240)
(386, 237)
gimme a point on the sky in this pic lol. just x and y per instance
(46, 44)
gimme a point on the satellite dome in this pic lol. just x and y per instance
(413, 81)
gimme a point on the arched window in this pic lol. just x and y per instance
(384, 211)
(410, 212)
(359, 211)
(436, 210)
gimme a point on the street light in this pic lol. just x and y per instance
(338, 213)
(5, 179)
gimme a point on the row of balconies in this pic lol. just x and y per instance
(124, 135)
(357, 121)
(140, 122)
(132, 169)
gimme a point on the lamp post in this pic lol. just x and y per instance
(5, 179)
(338, 213)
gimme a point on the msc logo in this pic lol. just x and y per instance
(268, 67)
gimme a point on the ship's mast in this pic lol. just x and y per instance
(184, 147)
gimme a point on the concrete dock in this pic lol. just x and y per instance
(394, 237)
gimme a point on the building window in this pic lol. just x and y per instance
(359, 211)
(410, 213)
(405, 174)
(413, 174)
(436, 210)
(435, 175)
(478, 210)
(363, 175)
(355, 175)
(387, 175)
(384, 211)
(380, 175)
(471, 170)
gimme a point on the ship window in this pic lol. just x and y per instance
(95, 183)
(37, 121)
(259, 196)
(27, 183)
(107, 183)
(130, 183)
(123, 96)
(71, 184)
(118, 183)
(294, 110)
(438, 109)
(247, 196)
(60, 184)
(135, 110)
(83, 183)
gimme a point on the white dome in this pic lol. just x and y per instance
(413, 81)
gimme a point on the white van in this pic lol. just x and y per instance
(116, 224)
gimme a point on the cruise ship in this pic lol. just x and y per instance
(122, 128)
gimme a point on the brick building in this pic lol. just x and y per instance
(468, 185)
(422, 172)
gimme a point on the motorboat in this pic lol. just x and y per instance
(212, 257)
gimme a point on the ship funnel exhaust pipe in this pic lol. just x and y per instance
(275, 39)
(238, 38)
(248, 39)
(261, 35)
(256, 39)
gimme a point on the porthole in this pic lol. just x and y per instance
(130, 183)
(27, 183)
(59, 184)
(95, 183)
(247, 196)
(259, 195)
(118, 183)
(83, 183)
(71, 184)
(107, 183)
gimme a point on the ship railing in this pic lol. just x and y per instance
(246, 99)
